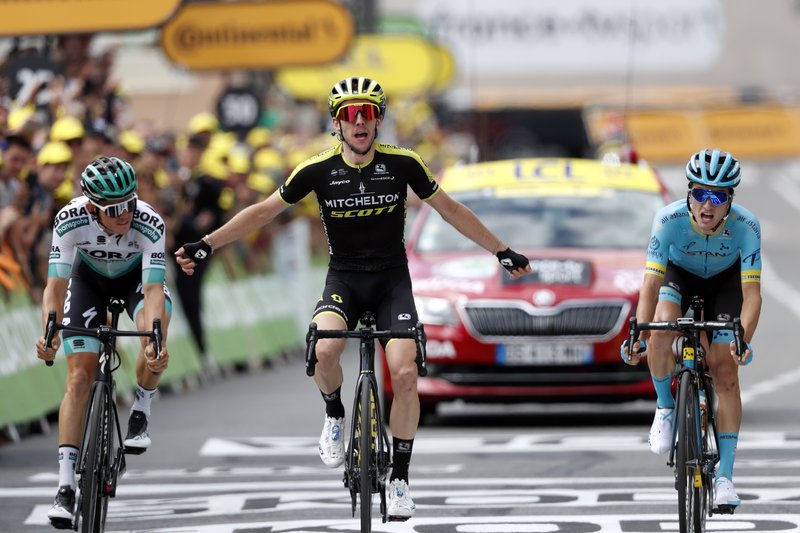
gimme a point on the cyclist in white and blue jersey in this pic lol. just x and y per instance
(106, 243)
(707, 246)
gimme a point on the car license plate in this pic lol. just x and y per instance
(545, 354)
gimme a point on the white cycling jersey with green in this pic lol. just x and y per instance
(77, 234)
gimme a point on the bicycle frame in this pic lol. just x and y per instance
(695, 453)
(365, 473)
(101, 458)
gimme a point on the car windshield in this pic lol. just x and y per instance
(610, 219)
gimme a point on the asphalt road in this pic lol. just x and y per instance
(239, 454)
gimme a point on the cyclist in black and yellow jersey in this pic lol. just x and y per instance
(361, 187)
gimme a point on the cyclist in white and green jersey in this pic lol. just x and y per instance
(106, 243)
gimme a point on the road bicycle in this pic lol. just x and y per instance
(101, 457)
(696, 451)
(365, 473)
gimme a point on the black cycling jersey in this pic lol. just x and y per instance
(363, 208)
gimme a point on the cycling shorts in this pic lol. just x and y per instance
(86, 303)
(721, 294)
(387, 293)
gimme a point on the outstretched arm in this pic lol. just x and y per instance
(465, 221)
(244, 222)
(468, 224)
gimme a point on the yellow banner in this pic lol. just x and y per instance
(664, 136)
(752, 132)
(240, 35)
(41, 17)
(404, 66)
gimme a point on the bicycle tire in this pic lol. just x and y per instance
(688, 460)
(710, 454)
(366, 453)
(94, 446)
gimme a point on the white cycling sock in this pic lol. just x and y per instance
(67, 455)
(143, 399)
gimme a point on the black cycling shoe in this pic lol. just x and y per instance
(61, 514)
(137, 440)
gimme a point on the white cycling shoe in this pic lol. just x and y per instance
(399, 505)
(662, 431)
(331, 442)
(725, 493)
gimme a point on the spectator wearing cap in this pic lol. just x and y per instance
(132, 144)
(70, 130)
(202, 126)
(52, 164)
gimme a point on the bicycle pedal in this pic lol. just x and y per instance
(130, 450)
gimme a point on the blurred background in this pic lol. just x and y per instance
(215, 103)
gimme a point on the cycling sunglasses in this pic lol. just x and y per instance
(349, 112)
(717, 197)
(115, 210)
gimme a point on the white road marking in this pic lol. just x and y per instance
(495, 524)
(789, 297)
(558, 443)
(429, 501)
(310, 488)
(222, 472)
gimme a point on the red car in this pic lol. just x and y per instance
(553, 335)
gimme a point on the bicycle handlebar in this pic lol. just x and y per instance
(366, 334)
(100, 332)
(686, 325)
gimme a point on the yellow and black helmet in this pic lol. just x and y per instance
(356, 88)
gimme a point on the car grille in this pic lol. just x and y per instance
(500, 321)
(532, 376)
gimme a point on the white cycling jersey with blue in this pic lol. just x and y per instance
(675, 237)
(77, 234)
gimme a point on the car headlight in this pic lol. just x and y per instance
(438, 311)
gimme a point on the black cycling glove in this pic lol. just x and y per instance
(197, 251)
(511, 260)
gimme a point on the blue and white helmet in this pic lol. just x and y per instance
(714, 168)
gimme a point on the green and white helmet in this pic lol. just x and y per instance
(107, 179)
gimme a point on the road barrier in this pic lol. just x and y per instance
(251, 319)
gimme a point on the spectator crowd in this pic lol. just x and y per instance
(195, 178)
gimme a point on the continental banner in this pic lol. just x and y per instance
(263, 35)
(43, 17)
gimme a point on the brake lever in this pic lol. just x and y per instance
(738, 334)
(157, 336)
(633, 333)
(311, 352)
(49, 332)
(421, 339)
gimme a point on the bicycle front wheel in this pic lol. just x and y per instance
(688, 459)
(366, 451)
(95, 447)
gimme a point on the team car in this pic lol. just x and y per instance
(552, 335)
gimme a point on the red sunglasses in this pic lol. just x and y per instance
(349, 112)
